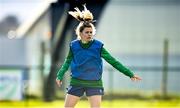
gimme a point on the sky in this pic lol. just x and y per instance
(23, 8)
(20, 8)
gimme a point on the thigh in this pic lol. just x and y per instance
(94, 96)
(75, 90)
(95, 101)
(94, 91)
(71, 101)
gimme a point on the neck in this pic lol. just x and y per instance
(84, 42)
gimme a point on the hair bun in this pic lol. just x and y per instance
(85, 15)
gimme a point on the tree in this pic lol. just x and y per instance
(10, 22)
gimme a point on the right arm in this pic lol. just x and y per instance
(64, 68)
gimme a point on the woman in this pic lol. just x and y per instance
(86, 64)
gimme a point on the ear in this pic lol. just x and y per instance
(80, 33)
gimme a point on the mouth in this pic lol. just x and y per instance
(88, 37)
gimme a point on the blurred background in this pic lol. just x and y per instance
(142, 34)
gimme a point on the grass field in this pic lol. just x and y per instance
(128, 103)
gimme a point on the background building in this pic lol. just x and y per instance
(141, 34)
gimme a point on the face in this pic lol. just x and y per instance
(86, 34)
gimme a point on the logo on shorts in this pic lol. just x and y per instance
(68, 88)
(100, 91)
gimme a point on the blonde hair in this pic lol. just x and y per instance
(86, 19)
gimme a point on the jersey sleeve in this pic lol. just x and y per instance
(115, 63)
(65, 66)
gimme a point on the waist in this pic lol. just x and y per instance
(86, 83)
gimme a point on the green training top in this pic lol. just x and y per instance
(104, 54)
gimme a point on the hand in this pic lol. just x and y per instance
(59, 82)
(135, 78)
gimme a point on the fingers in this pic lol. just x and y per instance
(136, 78)
(59, 83)
(133, 79)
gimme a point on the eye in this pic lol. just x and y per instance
(87, 32)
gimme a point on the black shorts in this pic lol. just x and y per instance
(79, 91)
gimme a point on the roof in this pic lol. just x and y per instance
(27, 25)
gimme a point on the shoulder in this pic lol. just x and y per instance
(74, 42)
(98, 42)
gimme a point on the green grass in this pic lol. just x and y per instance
(127, 103)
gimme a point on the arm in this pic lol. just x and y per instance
(64, 68)
(116, 64)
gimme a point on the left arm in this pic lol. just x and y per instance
(116, 64)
